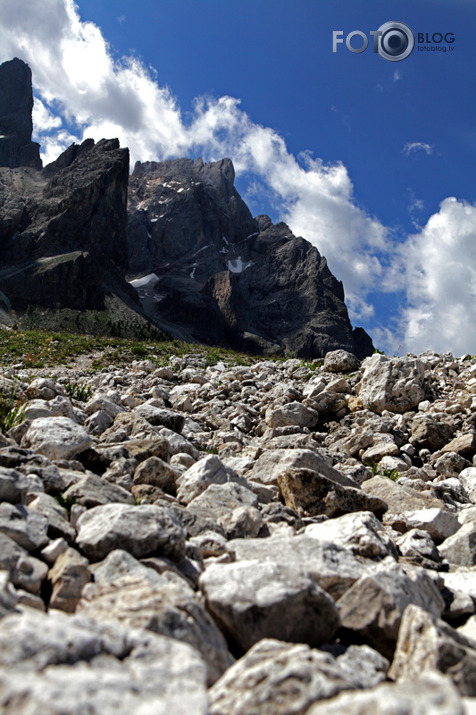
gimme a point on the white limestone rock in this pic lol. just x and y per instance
(143, 530)
(56, 437)
(54, 663)
(261, 599)
(393, 384)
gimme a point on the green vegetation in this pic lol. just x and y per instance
(65, 502)
(43, 349)
(78, 391)
(213, 356)
(392, 474)
(312, 365)
(11, 410)
(209, 450)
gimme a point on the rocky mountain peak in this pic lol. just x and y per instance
(16, 126)
(174, 241)
(206, 268)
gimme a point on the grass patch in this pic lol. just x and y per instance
(11, 410)
(43, 349)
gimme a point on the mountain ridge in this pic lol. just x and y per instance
(173, 246)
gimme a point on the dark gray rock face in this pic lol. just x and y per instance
(207, 271)
(63, 245)
(16, 104)
(63, 230)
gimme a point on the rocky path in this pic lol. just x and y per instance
(236, 540)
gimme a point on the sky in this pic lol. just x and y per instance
(373, 161)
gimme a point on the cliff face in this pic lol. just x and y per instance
(62, 230)
(16, 104)
(202, 263)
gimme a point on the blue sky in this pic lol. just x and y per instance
(372, 161)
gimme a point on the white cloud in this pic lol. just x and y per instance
(417, 146)
(43, 118)
(416, 205)
(439, 276)
(51, 144)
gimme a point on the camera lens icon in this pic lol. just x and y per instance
(395, 41)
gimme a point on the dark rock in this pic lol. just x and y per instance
(16, 105)
(428, 433)
(62, 235)
(315, 494)
(212, 273)
(63, 246)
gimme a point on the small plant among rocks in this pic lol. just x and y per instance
(392, 474)
(78, 391)
(213, 356)
(11, 410)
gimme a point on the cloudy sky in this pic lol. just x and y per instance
(373, 161)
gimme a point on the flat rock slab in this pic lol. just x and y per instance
(219, 500)
(464, 445)
(334, 568)
(399, 498)
(13, 486)
(59, 525)
(25, 526)
(119, 565)
(439, 523)
(67, 577)
(207, 471)
(253, 600)
(8, 595)
(340, 361)
(468, 479)
(60, 664)
(463, 580)
(56, 437)
(361, 532)
(161, 416)
(24, 571)
(292, 414)
(156, 472)
(428, 643)
(91, 490)
(393, 384)
(274, 462)
(144, 530)
(429, 695)
(304, 490)
(460, 548)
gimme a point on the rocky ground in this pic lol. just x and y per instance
(237, 540)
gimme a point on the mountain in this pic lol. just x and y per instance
(63, 245)
(172, 247)
(202, 264)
